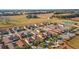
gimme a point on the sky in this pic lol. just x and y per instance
(39, 4)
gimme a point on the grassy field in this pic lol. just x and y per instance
(74, 42)
(21, 20)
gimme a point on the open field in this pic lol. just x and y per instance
(21, 20)
(75, 19)
(75, 42)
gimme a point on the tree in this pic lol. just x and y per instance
(17, 47)
(32, 16)
(27, 46)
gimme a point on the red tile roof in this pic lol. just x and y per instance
(20, 43)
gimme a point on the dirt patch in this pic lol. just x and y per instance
(75, 19)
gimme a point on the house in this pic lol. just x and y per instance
(0, 46)
(10, 46)
(6, 40)
(20, 43)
